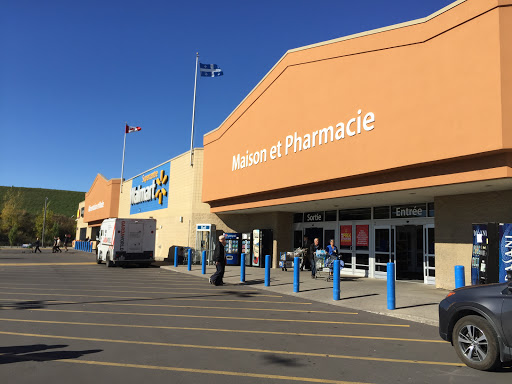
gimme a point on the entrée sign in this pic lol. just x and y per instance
(324, 136)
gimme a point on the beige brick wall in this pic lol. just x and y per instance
(185, 201)
(453, 219)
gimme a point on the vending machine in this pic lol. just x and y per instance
(233, 248)
(492, 253)
(261, 246)
(247, 247)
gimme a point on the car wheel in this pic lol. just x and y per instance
(476, 343)
(109, 262)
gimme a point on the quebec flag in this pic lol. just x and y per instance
(210, 70)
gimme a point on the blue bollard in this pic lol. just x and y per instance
(189, 259)
(460, 280)
(89, 247)
(203, 263)
(267, 270)
(242, 268)
(80, 246)
(296, 274)
(175, 256)
(391, 286)
(336, 280)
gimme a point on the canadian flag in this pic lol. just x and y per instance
(132, 129)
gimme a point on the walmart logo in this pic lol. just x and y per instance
(161, 192)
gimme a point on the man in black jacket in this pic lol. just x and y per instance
(312, 253)
(37, 244)
(219, 257)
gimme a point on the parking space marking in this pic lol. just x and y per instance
(226, 330)
(237, 349)
(156, 292)
(192, 370)
(40, 264)
(206, 298)
(220, 317)
(111, 303)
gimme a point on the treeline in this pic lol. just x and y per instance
(18, 225)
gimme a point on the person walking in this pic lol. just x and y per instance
(66, 240)
(219, 256)
(59, 243)
(37, 244)
(305, 259)
(312, 251)
(54, 247)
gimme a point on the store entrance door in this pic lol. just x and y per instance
(409, 252)
(313, 233)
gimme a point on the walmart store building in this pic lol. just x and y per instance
(392, 142)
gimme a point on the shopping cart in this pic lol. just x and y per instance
(325, 264)
(286, 259)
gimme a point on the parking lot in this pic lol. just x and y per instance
(64, 318)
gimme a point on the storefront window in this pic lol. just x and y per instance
(381, 212)
(430, 209)
(330, 216)
(297, 217)
(355, 214)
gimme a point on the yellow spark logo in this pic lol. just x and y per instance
(160, 193)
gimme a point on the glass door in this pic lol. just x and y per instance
(429, 259)
(355, 247)
(384, 249)
(346, 248)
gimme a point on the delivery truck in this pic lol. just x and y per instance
(126, 241)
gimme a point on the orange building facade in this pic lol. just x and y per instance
(392, 142)
(101, 202)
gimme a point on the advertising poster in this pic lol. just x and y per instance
(505, 251)
(362, 235)
(345, 235)
(150, 191)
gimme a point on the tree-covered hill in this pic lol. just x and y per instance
(32, 200)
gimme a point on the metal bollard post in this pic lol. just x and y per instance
(391, 286)
(460, 280)
(242, 268)
(336, 280)
(203, 263)
(267, 270)
(175, 256)
(296, 274)
(189, 259)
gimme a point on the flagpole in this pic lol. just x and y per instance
(122, 165)
(193, 114)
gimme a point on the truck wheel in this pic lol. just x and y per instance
(98, 259)
(109, 262)
(476, 343)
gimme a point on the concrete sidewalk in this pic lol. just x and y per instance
(414, 301)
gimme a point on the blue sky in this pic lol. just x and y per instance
(72, 73)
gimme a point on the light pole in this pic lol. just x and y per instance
(44, 221)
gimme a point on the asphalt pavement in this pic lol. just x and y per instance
(64, 318)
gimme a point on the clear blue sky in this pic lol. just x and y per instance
(72, 72)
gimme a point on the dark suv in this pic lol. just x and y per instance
(477, 321)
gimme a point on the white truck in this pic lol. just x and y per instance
(126, 241)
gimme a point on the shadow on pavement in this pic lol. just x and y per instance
(289, 362)
(416, 305)
(22, 353)
(358, 297)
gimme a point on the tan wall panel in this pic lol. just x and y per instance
(454, 216)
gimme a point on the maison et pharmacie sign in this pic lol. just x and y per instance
(356, 125)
